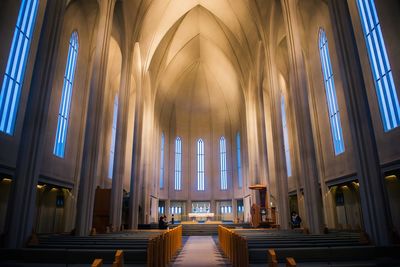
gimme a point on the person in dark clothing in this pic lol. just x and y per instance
(165, 222)
(161, 222)
(295, 220)
(172, 219)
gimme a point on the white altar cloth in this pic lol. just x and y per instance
(201, 215)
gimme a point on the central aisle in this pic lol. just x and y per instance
(200, 251)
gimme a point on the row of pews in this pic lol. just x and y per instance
(275, 246)
(140, 247)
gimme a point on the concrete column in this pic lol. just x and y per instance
(273, 103)
(372, 188)
(234, 210)
(91, 169)
(136, 186)
(305, 158)
(188, 207)
(120, 142)
(167, 207)
(21, 208)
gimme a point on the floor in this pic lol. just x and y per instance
(199, 251)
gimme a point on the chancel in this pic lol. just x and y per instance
(137, 131)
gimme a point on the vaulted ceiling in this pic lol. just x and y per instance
(200, 54)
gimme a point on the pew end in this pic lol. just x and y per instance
(97, 263)
(290, 262)
(119, 258)
(33, 240)
(272, 261)
(93, 231)
(364, 238)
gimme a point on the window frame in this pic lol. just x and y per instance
(330, 94)
(66, 96)
(17, 61)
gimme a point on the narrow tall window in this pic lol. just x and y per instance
(65, 103)
(113, 136)
(286, 138)
(178, 164)
(162, 161)
(331, 99)
(200, 165)
(222, 154)
(15, 70)
(385, 89)
(239, 163)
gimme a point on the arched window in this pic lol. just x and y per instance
(385, 89)
(200, 165)
(239, 163)
(113, 136)
(66, 96)
(331, 99)
(15, 71)
(178, 164)
(162, 161)
(286, 138)
(222, 154)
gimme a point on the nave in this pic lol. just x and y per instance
(121, 118)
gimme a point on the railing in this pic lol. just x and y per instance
(234, 247)
(162, 248)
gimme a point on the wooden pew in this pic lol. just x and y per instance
(97, 263)
(272, 261)
(162, 248)
(290, 262)
(234, 246)
(119, 259)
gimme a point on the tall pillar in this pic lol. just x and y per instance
(305, 158)
(278, 161)
(188, 207)
(234, 210)
(372, 189)
(91, 169)
(135, 188)
(120, 143)
(21, 208)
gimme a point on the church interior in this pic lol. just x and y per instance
(218, 119)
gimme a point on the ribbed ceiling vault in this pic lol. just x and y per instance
(200, 54)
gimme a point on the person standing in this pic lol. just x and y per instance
(161, 222)
(165, 222)
(295, 220)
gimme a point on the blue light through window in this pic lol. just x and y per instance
(331, 99)
(65, 103)
(222, 154)
(15, 70)
(178, 164)
(286, 138)
(113, 136)
(385, 89)
(239, 163)
(162, 161)
(200, 165)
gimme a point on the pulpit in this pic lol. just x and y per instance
(259, 210)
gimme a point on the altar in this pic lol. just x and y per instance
(203, 216)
